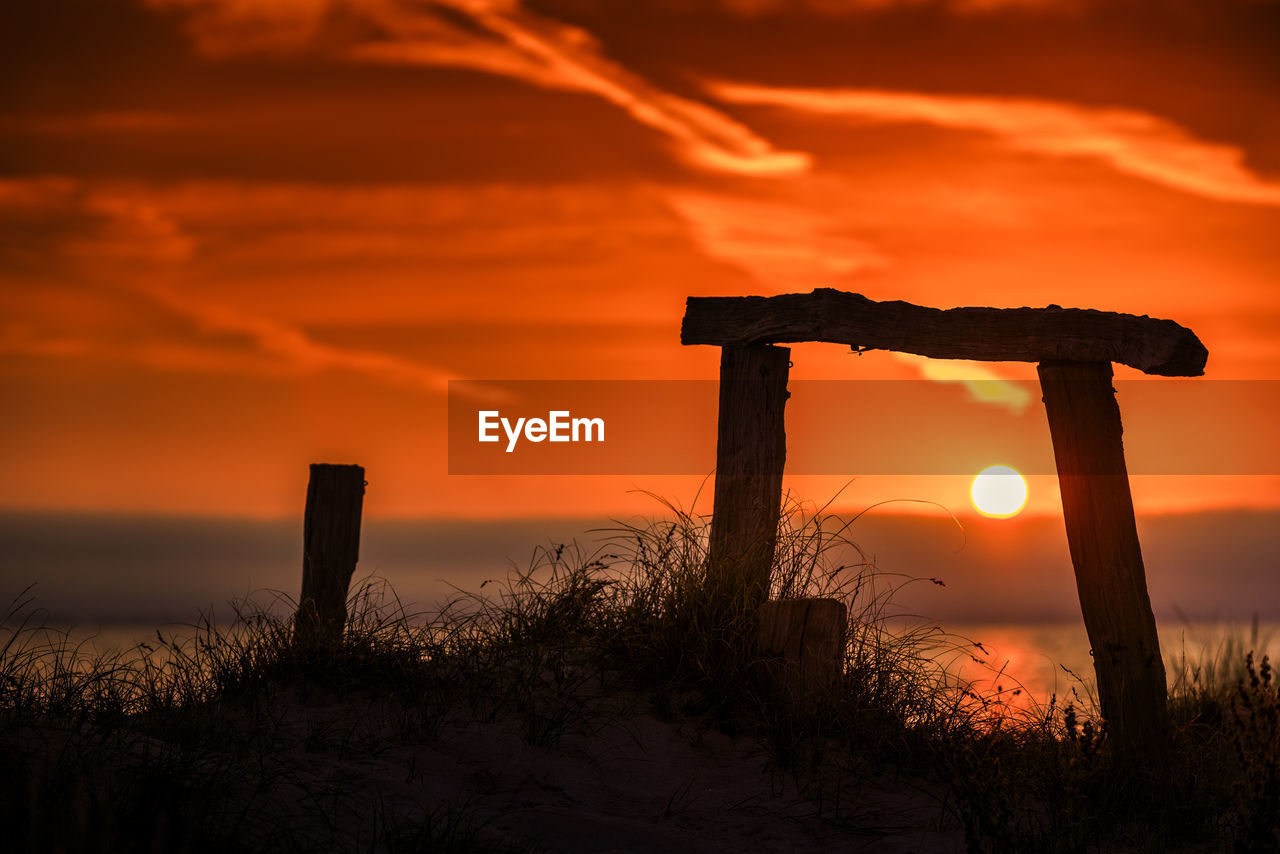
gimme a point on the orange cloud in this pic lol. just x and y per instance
(498, 37)
(788, 248)
(833, 8)
(1129, 141)
(290, 347)
(108, 121)
(125, 246)
(983, 384)
(782, 247)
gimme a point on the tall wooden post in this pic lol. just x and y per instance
(331, 547)
(751, 449)
(1084, 420)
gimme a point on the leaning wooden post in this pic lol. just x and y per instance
(751, 449)
(331, 547)
(1084, 421)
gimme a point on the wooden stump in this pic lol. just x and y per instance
(331, 547)
(805, 640)
(751, 450)
(1084, 421)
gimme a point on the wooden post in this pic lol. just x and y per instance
(331, 547)
(751, 449)
(1084, 421)
(806, 638)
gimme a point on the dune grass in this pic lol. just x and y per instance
(218, 738)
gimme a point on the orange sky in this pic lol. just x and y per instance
(245, 235)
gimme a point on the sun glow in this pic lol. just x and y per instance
(998, 492)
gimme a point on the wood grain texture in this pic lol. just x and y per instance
(806, 638)
(331, 548)
(751, 450)
(1084, 421)
(1050, 334)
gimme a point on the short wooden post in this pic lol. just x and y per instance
(1084, 421)
(805, 638)
(331, 547)
(751, 450)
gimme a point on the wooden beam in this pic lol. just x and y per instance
(751, 449)
(331, 547)
(1050, 334)
(1084, 421)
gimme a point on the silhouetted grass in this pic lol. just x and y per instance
(227, 737)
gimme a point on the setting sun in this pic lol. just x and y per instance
(999, 492)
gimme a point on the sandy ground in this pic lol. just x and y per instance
(362, 775)
(632, 783)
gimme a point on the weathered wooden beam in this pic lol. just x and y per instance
(331, 547)
(1084, 422)
(751, 449)
(1049, 334)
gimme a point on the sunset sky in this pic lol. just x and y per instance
(240, 236)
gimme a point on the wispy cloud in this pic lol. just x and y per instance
(1129, 141)
(844, 8)
(788, 248)
(497, 37)
(983, 384)
(107, 121)
(783, 247)
(288, 347)
(113, 248)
